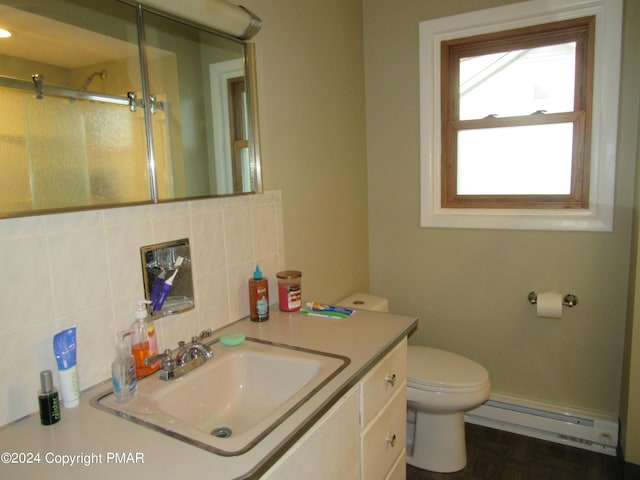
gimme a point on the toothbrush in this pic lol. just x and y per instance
(325, 314)
(165, 291)
(159, 284)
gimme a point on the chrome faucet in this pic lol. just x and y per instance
(192, 351)
(189, 356)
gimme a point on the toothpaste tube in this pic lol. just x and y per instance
(64, 348)
(320, 307)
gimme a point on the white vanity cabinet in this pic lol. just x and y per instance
(352, 428)
(329, 450)
(362, 436)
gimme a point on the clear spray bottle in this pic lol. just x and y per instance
(123, 370)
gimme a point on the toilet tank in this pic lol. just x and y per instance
(365, 302)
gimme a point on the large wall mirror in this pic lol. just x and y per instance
(106, 102)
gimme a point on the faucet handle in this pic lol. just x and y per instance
(205, 333)
(168, 363)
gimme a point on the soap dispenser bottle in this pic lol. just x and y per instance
(144, 346)
(123, 370)
(258, 297)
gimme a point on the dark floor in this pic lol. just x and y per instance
(497, 455)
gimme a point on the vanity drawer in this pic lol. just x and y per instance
(399, 470)
(383, 382)
(384, 440)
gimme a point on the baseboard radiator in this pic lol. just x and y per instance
(570, 427)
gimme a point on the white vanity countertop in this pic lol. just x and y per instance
(104, 446)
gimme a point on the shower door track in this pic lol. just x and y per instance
(37, 85)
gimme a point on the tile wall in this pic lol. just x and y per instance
(84, 269)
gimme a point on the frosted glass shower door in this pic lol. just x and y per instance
(66, 153)
(15, 186)
(116, 153)
(58, 167)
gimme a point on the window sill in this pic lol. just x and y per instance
(588, 220)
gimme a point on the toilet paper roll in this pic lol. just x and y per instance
(549, 305)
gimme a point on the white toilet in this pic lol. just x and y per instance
(441, 386)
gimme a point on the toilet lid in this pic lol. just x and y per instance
(430, 367)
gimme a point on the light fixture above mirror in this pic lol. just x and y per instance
(220, 15)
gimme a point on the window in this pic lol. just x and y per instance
(519, 116)
(516, 110)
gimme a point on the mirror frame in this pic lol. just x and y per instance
(251, 92)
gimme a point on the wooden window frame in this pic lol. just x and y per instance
(582, 31)
(238, 136)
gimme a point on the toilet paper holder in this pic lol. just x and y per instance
(569, 300)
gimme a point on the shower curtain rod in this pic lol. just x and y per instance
(38, 86)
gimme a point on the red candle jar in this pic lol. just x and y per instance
(289, 290)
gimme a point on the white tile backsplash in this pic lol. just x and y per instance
(84, 268)
(123, 242)
(23, 354)
(208, 242)
(264, 223)
(24, 303)
(214, 312)
(79, 269)
(95, 337)
(237, 227)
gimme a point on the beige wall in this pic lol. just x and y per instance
(311, 95)
(469, 287)
(630, 402)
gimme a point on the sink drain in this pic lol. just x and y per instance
(221, 432)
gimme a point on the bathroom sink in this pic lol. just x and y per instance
(234, 400)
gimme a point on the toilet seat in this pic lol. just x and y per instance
(438, 370)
